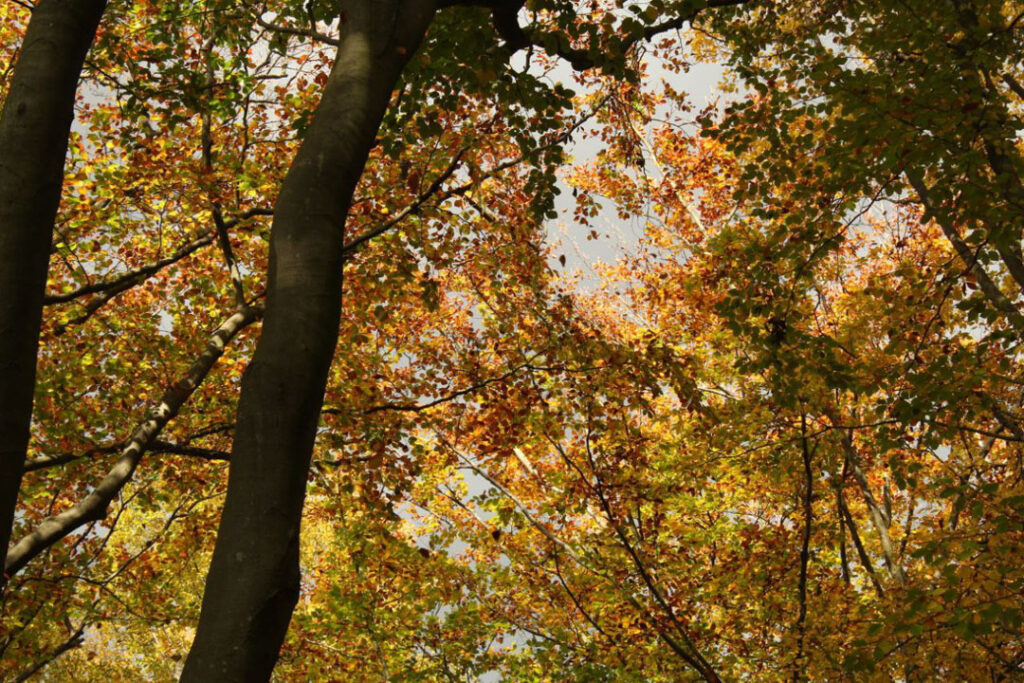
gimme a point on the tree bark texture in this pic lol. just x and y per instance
(34, 128)
(253, 583)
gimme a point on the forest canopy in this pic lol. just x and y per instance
(661, 340)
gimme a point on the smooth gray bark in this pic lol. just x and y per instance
(94, 506)
(34, 128)
(253, 584)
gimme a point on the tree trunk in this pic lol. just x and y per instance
(34, 128)
(253, 584)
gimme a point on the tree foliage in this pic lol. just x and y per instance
(777, 435)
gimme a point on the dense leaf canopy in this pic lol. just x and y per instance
(631, 382)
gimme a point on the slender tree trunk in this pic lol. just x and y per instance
(253, 584)
(34, 128)
(805, 551)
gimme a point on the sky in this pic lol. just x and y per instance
(616, 237)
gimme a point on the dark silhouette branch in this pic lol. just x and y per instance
(156, 447)
(865, 560)
(805, 548)
(969, 258)
(505, 18)
(301, 32)
(76, 638)
(431, 191)
(130, 279)
(110, 289)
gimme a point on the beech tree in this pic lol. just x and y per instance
(254, 575)
(37, 112)
(306, 246)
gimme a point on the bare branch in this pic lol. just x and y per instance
(865, 560)
(64, 458)
(74, 640)
(461, 190)
(156, 447)
(223, 238)
(1014, 85)
(418, 407)
(805, 548)
(879, 519)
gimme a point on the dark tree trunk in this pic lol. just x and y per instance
(34, 128)
(253, 584)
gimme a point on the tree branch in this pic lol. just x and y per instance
(969, 258)
(94, 506)
(865, 560)
(73, 641)
(131, 278)
(879, 519)
(302, 32)
(504, 16)
(125, 281)
(434, 188)
(805, 548)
